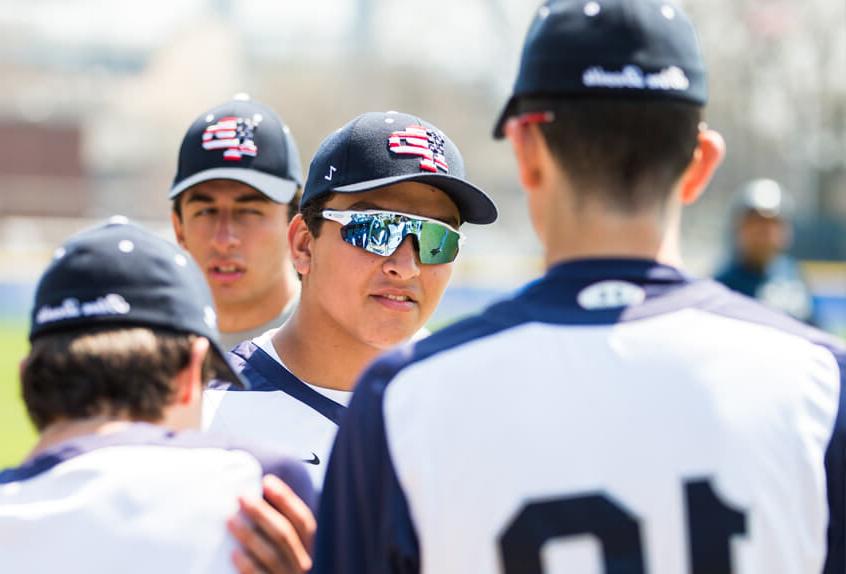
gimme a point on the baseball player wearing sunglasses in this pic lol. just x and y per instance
(374, 244)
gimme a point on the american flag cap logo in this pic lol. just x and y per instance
(234, 135)
(426, 143)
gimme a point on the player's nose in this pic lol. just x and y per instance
(403, 263)
(225, 234)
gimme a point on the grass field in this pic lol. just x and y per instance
(16, 433)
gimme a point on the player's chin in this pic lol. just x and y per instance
(232, 294)
(385, 336)
(231, 285)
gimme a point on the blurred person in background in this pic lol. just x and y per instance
(236, 188)
(123, 342)
(761, 234)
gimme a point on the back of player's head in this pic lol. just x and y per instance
(102, 282)
(112, 371)
(618, 88)
(626, 153)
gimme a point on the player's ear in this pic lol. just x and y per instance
(22, 367)
(176, 221)
(300, 241)
(707, 157)
(189, 381)
(527, 143)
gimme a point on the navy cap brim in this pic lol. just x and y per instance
(223, 369)
(275, 188)
(473, 204)
(507, 112)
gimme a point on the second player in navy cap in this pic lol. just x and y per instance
(236, 188)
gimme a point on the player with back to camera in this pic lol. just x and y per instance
(236, 188)
(123, 342)
(374, 244)
(618, 415)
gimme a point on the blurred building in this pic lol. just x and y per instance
(41, 169)
(97, 95)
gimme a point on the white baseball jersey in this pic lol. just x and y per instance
(140, 500)
(617, 417)
(279, 408)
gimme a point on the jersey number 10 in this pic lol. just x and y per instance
(710, 524)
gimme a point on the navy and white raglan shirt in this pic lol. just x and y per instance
(278, 409)
(615, 416)
(141, 500)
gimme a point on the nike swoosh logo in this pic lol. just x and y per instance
(314, 460)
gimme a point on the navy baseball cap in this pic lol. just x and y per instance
(636, 49)
(378, 149)
(241, 140)
(119, 274)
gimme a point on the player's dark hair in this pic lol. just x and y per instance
(293, 205)
(630, 151)
(176, 204)
(313, 213)
(114, 372)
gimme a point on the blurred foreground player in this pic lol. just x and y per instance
(759, 265)
(617, 416)
(123, 341)
(374, 243)
(236, 188)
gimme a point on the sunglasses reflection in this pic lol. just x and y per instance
(382, 232)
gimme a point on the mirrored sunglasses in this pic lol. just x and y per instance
(382, 232)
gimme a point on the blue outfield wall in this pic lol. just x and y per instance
(831, 313)
(15, 301)
(16, 298)
(458, 302)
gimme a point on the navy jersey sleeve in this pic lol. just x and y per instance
(364, 524)
(272, 461)
(293, 473)
(835, 467)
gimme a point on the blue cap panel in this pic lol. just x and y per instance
(122, 275)
(242, 137)
(376, 150)
(610, 48)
